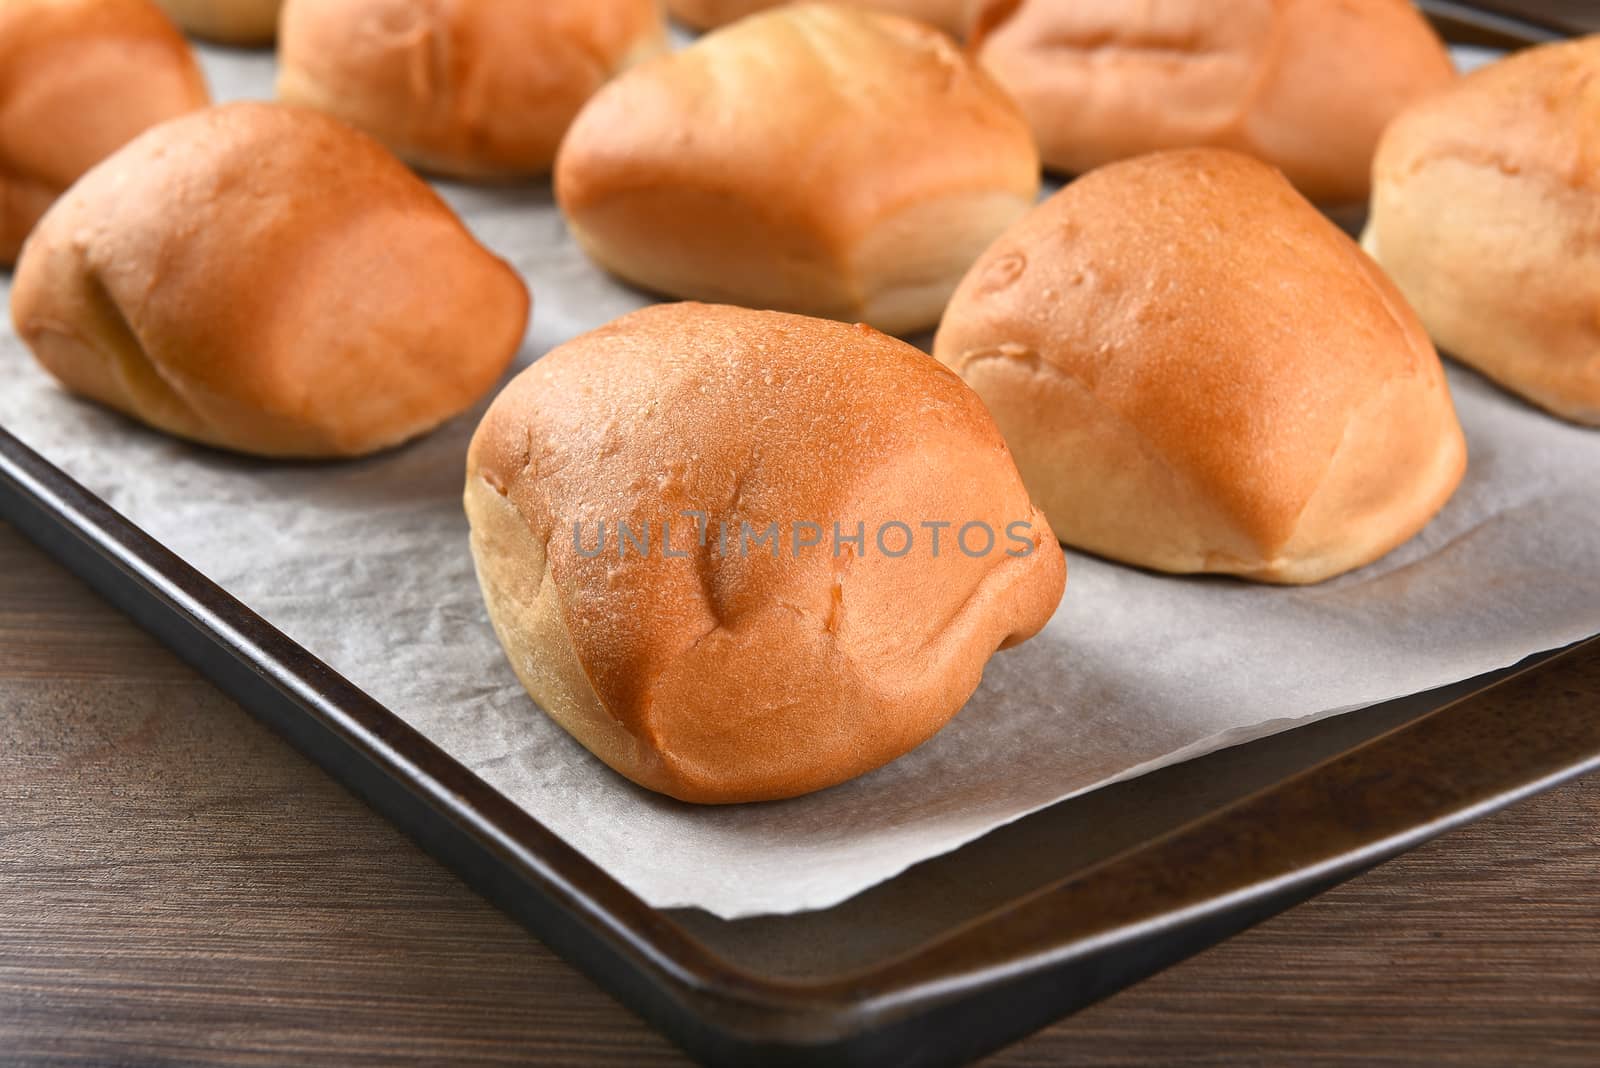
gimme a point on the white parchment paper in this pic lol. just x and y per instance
(366, 564)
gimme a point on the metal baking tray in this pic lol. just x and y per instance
(960, 954)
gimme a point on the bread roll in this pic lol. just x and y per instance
(1486, 213)
(475, 90)
(811, 159)
(948, 15)
(721, 668)
(240, 22)
(1196, 371)
(1305, 85)
(79, 79)
(263, 278)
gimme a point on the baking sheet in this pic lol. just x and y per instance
(366, 564)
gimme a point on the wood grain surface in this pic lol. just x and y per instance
(178, 886)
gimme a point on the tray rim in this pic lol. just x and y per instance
(1019, 966)
(718, 1010)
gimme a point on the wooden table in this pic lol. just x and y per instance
(179, 886)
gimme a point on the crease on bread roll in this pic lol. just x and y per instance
(730, 672)
(263, 278)
(1305, 85)
(473, 90)
(812, 159)
(79, 79)
(1486, 213)
(948, 15)
(1197, 372)
(236, 22)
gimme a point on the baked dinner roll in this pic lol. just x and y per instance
(1306, 85)
(1196, 371)
(811, 159)
(475, 89)
(706, 538)
(949, 15)
(241, 22)
(264, 278)
(1486, 213)
(78, 80)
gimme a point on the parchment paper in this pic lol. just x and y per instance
(366, 564)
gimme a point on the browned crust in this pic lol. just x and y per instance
(79, 79)
(723, 678)
(947, 15)
(238, 22)
(264, 278)
(753, 168)
(1305, 85)
(1198, 372)
(1486, 211)
(476, 90)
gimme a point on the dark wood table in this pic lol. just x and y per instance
(179, 886)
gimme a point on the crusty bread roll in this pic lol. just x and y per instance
(811, 159)
(240, 22)
(1196, 371)
(709, 664)
(475, 90)
(264, 278)
(1306, 85)
(79, 79)
(1486, 213)
(948, 15)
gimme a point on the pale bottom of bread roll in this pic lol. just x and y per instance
(897, 277)
(1494, 271)
(1349, 521)
(525, 608)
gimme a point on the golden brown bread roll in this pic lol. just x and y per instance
(811, 159)
(240, 22)
(1306, 85)
(264, 278)
(1486, 213)
(948, 15)
(79, 79)
(1196, 371)
(726, 668)
(476, 90)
